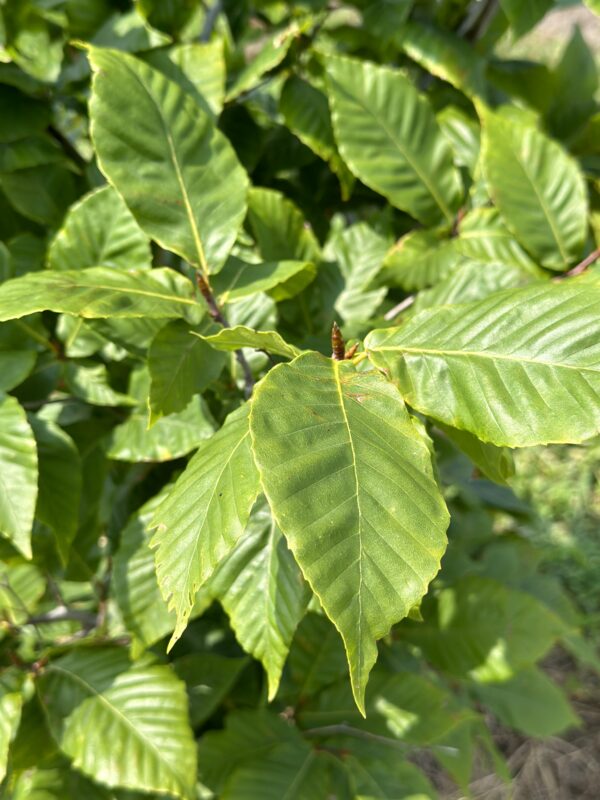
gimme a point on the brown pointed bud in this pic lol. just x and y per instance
(338, 347)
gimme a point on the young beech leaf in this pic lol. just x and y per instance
(99, 704)
(518, 368)
(177, 173)
(349, 480)
(204, 515)
(387, 134)
(100, 231)
(19, 475)
(538, 188)
(101, 292)
(240, 336)
(262, 590)
(181, 365)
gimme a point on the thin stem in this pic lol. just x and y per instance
(479, 20)
(398, 309)
(581, 267)
(216, 313)
(344, 729)
(69, 148)
(64, 614)
(210, 21)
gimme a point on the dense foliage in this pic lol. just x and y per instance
(232, 564)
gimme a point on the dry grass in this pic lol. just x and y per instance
(557, 768)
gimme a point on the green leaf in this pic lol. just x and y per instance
(518, 368)
(414, 709)
(11, 701)
(270, 56)
(387, 779)
(577, 67)
(190, 192)
(388, 136)
(97, 705)
(61, 783)
(484, 629)
(484, 237)
(472, 280)
(209, 679)
(134, 583)
(537, 187)
(279, 228)
(204, 515)
(27, 116)
(246, 734)
(306, 113)
(529, 702)
(495, 462)
(169, 438)
(100, 230)
(463, 134)
(41, 193)
(262, 590)
(524, 16)
(419, 259)
(260, 755)
(19, 475)
(181, 365)
(129, 32)
(198, 68)
(59, 482)
(21, 587)
(293, 771)
(90, 382)
(359, 252)
(100, 292)
(340, 457)
(317, 658)
(15, 366)
(446, 56)
(31, 152)
(234, 338)
(282, 279)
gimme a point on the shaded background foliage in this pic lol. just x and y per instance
(84, 627)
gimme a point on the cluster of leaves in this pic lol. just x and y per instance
(189, 197)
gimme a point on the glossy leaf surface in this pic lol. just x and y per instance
(538, 189)
(180, 201)
(193, 538)
(19, 470)
(388, 136)
(519, 368)
(100, 292)
(100, 231)
(97, 701)
(348, 478)
(262, 590)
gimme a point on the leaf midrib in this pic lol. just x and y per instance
(430, 186)
(93, 692)
(178, 174)
(226, 464)
(338, 384)
(489, 355)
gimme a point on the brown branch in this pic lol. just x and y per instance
(216, 313)
(582, 266)
(64, 614)
(398, 309)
